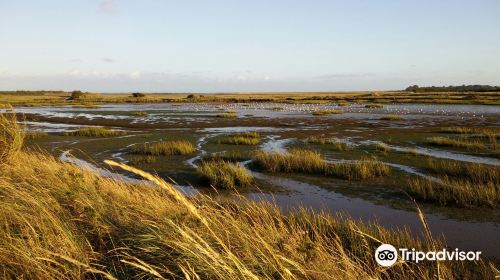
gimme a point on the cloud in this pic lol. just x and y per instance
(109, 6)
(343, 76)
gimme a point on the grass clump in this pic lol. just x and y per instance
(381, 147)
(342, 104)
(35, 135)
(326, 112)
(366, 168)
(227, 115)
(311, 162)
(247, 138)
(374, 105)
(462, 193)
(472, 172)
(140, 113)
(392, 118)
(143, 160)
(333, 143)
(95, 131)
(455, 143)
(277, 108)
(11, 136)
(225, 175)
(165, 148)
(491, 134)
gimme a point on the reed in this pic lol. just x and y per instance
(227, 115)
(326, 112)
(11, 136)
(95, 131)
(456, 143)
(246, 138)
(140, 114)
(225, 175)
(391, 118)
(165, 148)
(311, 162)
(462, 193)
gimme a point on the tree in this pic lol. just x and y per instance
(138, 94)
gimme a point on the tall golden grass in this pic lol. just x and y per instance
(165, 148)
(225, 175)
(60, 222)
(246, 138)
(95, 131)
(457, 143)
(11, 135)
(311, 162)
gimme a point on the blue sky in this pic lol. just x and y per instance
(257, 45)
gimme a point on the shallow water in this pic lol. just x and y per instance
(187, 113)
(458, 234)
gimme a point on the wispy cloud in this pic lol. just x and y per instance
(109, 6)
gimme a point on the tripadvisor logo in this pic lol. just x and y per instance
(386, 255)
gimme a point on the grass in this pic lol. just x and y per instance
(392, 118)
(277, 108)
(462, 193)
(342, 104)
(230, 156)
(247, 138)
(165, 148)
(140, 113)
(138, 160)
(456, 143)
(227, 115)
(492, 134)
(381, 147)
(311, 162)
(95, 131)
(225, 175)
(472, 172)
(374, 106)
(326, 112)
(333, 143)
(61, 222)
(11, 136)
(35, 135)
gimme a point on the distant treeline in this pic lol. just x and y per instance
(31, 92)
(462, 88)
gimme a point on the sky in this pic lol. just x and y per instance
(247, 45)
